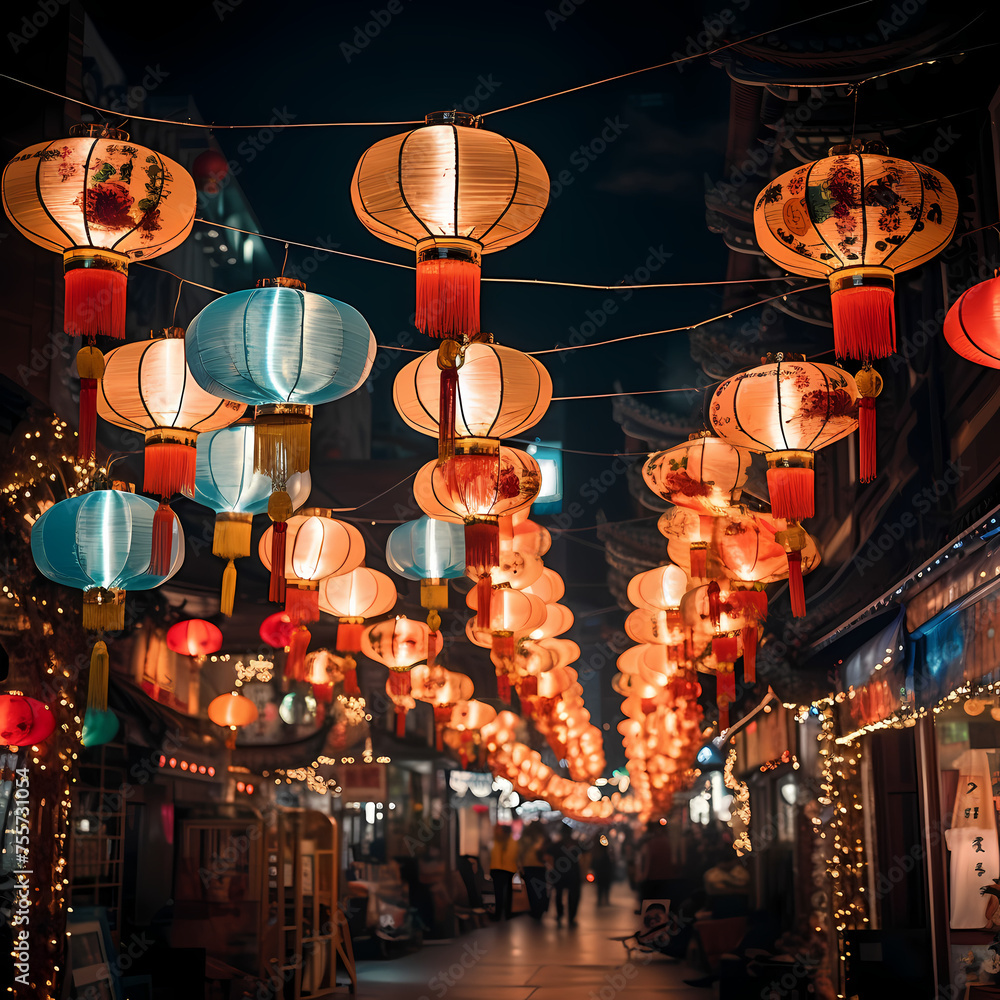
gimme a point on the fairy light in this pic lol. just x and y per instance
(741, 804)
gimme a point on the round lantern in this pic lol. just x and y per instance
(225, 481)
(195, 638)
(558, 619)
(283, 350)
(477, 390)
(787, 408)
(99, 727)
(325, 669)
(101, 201)
(972, 326)
(513, 615)
(442, 690)
(232, 711)
(432, 552)
(652, 625)
(24, 722)
(857, 217)
(400, 643)
(705, 473)
(451, 191)
(210, 170)
(276, 630)
(689, 537)
(549, 586)
(147, 388)
(516, 570)
(353, 597)
(659, 588)
(483, 481)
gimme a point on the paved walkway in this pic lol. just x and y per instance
(522, 960)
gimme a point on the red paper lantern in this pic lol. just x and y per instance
(276, 630)
(24, 722)
(972, 326)
(194, 637)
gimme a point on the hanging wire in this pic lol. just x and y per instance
(177, 302)
(285, 261)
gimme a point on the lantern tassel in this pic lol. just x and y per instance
(529, 687)
(726, 648)
(749, 636)
(163, 538)
(796, 588)
(97, 683)
(169, 469)
(88, 418)
(723, 706)
(228, 597)
(864, 324)
(791, 491)
(448, 298)
(699, 561)
(866, 422)
(281, 444)
(276, 593)
(95, 302)
(295, 663)
(399, 683)
(301, 605)
(231, 539)
(503, 645)
(714, 603)
(400, 721)
(503, 688)
(446, 414)
(484, 601)
(351, 680)
(482, 545)
(349, 633)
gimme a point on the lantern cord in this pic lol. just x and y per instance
(682, 59)
(395, 486)
(285, 261)
(177, 302)
(183, 281)
(680, 329)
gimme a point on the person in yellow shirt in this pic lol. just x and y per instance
(503, 864)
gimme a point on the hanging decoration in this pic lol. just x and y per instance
(24, 722)
(147, 388)
(225, 481)
(787, 408)
(317, 546)
(232, 712)
(353, 597)
(452, 191)
(431, 551)
(282, 350)
(441, 689)
(857, 217)
(972, 326)
(100, 200)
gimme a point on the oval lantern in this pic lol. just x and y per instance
(225, 481)
(660, 588)
(451, 191)
(195, 637)
(400, 643)
(857, 217)
(277, 629)
(232, 711)
(972, 326)
(704, 473)
(24, 722)
(99, 727)
(787, 408)
(353, 597)
(431, 551)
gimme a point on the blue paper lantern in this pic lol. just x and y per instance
(101, 543)
(430, 551)
(98, 727)
(284, 350)
(225, 481)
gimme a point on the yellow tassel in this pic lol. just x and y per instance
(228, 588)
(104, 610)
(281, 444)
(97, 685)
(232, 535)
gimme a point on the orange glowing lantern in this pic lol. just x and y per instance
(195, 638)
(442, 690)
(972, 326)
(148, 388)
(513, 615)
(705, 473)
(452, 191)
(660, 588)
(232, 711)
(857, 217)
(400, 643)
(24, 722)
(689, 538)
(324, 670)
(353, 597)
(787, 408)
(549, 586)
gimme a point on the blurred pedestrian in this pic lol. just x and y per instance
(565, 853)
(503, 864)
(602, 864)
(655, 864)
(532, 850)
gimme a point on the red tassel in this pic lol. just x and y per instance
(295, 663)
(699, 561)
(323, 693)
(723, 714)
(482, 545)
(866, 421)
(163, 540)
(302, 606)
(351, 681)
(796, 589)
(349, 636)
(484, 601)
(791, 493)
(529, 687)
(276, 593)
(714, 604)
(169, 469)
(726, 648)
(503, 646)
(399, 683)
(434, 646)
(475, 480)
(864, 324)
(400, 722)
(503, 688)
(95, 302)
(87, 444)
(446, 414)
(749, 636)
(726, 683)
(447, 298)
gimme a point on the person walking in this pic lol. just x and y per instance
(656, 871)
(503, 864)
(602, 864)
(566, 867)
(534, 845)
